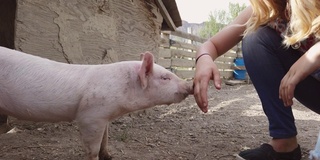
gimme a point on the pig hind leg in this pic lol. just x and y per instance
(103, 154)
(92, 131)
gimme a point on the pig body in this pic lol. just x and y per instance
(38, 89)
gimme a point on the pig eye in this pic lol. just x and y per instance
(165, 78)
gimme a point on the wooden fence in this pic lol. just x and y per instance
(177, 53)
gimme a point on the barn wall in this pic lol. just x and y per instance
(7, 21)
(88, 31)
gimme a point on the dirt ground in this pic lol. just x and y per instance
(235, 122)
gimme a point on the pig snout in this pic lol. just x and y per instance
(190, 87)
(186, 88)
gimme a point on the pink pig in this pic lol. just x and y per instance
(38, 89)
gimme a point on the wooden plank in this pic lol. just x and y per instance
(186, 36)
(185, 53)
(224, 65)
(189, 74)
(183, 57)
(165, 53)
(184, 74)
(165, 43)
(238, 67)
(178, 62)
(166, 63)
(182, 53)
(165, 40)
(184, 45)
(166, 16)
(225, 59)
(230, 53)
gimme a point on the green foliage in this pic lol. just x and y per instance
(219, 19)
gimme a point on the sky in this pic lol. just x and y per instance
(198, 11)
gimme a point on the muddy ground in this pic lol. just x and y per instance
(235, 121)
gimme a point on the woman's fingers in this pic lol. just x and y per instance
(286, 90)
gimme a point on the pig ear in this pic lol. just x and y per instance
(141, 56)
(146, 68)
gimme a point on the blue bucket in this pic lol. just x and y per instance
(237, 73)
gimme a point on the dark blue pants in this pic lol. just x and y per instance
(267, 61)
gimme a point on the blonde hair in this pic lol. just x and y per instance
(304, 17)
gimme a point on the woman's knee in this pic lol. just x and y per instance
(263, 37)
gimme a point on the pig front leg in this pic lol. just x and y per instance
(103, 154)
(92, 131)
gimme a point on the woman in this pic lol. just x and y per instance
(282, 57)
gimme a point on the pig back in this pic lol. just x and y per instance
(37, 86)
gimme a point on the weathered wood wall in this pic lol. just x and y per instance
(7, 16)
(178, 50)
(88, 31)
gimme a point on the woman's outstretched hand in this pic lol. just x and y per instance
(206, 70)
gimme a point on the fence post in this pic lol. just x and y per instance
(166, 36)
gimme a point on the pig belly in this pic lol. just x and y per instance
(43, 113)
(34, 98)
(38, 107)
(30, 101)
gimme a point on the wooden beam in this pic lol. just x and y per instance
(166, 16)
(185, 35)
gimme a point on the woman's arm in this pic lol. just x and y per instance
(303, 67)
(228, 37)
(217, 45)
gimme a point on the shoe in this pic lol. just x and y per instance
(266, 152)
